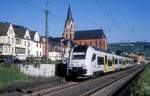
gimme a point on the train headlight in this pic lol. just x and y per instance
(83, 65)
(71, 65)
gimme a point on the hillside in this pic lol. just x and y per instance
(142, 47)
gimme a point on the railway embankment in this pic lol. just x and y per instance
(103, 86)
(141, 85)
(12, 80)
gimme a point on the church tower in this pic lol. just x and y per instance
(69, 26)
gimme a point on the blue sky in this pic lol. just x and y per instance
(121, 20)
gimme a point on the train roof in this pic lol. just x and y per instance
(84, 48)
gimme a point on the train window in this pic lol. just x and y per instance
(100, 60)
(80, 49)
(78, 57)
(123, 62)
(93, 57)
(116, 61)
(119, 61)
(109, 62)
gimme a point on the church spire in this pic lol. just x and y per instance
(69, 14)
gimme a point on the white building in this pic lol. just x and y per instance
(19, 41)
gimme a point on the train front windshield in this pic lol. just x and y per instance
(78, 56)
(79, 52)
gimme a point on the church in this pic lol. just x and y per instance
(94, 37)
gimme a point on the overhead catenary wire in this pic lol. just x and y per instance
(40, 10)
(109, 29)
(123, 15)
(32, 6)
(112, 19)
(126, 21)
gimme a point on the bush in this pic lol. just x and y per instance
(141, 86)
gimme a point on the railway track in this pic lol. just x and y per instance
(93, 87)
(37, 90)
(89, 87)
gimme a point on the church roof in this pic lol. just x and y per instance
(69, 15)
(89, 34)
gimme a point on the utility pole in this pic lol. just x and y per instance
(46, 35)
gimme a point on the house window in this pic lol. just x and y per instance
(28, 52)
(19, 50)
(28, 44)
(100, 43)
(24, 43)
(12, 50)
(37, 45)
(37, 53)
(5, 49)
(12, 39)
(18, 41)
(1, 49)
(90, 43)
(104, 44)
(27, 37)
(8, 39)
(8, 50)
(40, 53)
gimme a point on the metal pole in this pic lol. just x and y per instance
(46, 35)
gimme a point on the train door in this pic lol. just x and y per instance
(105, 64)
(117, 66)
(123, 64)
(113, 64)
(93, 66)
(109, 64)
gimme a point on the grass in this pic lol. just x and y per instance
(141, 86)
(10, 74)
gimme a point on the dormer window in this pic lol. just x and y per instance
(27, 37)
(10, 31)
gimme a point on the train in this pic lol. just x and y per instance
(88, 61)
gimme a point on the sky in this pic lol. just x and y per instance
(121, 20)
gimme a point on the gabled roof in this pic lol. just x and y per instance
(4, 28)
(89, 34)
(32, 33)
(19, 31)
